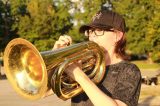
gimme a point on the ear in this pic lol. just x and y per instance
(119, 35)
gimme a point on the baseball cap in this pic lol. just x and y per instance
(105, 19)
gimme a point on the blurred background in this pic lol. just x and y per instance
(42, 21)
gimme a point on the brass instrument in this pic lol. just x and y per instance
(33, 73)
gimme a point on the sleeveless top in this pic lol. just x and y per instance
(122, 81)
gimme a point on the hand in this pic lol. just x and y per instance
(62, 42)
(74, 69)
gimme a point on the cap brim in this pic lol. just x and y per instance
(83, 28)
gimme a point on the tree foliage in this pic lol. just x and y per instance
(5, 24)
(40, 21)
(43, 21)
(83, 10)
(143, 26)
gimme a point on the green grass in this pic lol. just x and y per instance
(146, 65)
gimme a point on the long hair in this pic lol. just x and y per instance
(121, 47)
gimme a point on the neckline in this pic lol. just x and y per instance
(117, 63)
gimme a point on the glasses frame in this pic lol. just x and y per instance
(92, 30)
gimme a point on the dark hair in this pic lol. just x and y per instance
(121, 47)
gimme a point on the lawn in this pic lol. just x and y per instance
(143, 64)
(149, 96)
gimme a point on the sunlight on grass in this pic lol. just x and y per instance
(146, 65)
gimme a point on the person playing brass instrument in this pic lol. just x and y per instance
(122, 81)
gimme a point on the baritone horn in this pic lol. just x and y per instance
(33, 73)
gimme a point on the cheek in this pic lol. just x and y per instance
(107, 41)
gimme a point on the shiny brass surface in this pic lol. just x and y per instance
(33, 73)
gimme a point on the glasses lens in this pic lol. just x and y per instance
(89, 32)
(99, 32)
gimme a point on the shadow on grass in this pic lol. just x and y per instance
(147, 101)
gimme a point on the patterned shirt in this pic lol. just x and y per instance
(122, 81)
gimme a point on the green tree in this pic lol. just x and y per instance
(5, 24)
(153, 32)
(2, 11)
(82, 13)
(141, 18)
(41, 21)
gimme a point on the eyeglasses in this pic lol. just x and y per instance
(97, 32)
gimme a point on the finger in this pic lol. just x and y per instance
(69, 38)
(65, 40)
(79, 63)
(59, 44)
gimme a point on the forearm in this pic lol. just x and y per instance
(97, 97)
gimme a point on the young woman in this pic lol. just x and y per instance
(122, 81)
